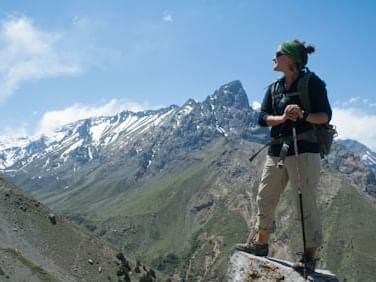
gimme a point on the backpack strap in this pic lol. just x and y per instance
(306, 103)
(273, 90)
(292, 94)
(303, 90)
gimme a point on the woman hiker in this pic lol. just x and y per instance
(282, 109)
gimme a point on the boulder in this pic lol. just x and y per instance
(245, 267)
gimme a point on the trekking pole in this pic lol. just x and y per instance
(300, 195)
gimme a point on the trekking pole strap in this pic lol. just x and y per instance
(283, 153)
(307, 136)
(271, 142)
(259, 151)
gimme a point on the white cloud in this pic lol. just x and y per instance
(55, 119)
(82, 22)
(27, 54)
(356, 124)
(353, 100)
(20, 131)
(256, 105)
(167, 17)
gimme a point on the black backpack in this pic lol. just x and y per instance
(324, 133)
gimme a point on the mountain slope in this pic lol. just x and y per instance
(187, 218)
(36, 245)
(210, 204)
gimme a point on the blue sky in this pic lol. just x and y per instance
(65, 60)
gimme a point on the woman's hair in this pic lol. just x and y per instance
(304, 50)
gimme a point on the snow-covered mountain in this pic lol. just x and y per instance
(85, 137)
(367, 156)
(143, 142)
(12, 149)
(9, 142)
(150, 135)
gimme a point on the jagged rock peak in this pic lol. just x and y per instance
(190, 102)
(354, 146)
(232, 86)
(231, 94)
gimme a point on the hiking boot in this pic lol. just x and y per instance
(310, 264)
(253, 248)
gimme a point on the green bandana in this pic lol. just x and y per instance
(291, 49)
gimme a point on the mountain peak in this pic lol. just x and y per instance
(190, 102)
(231, 94)
(233, 86)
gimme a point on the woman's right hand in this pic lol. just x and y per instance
(291, 112)
(277, 120)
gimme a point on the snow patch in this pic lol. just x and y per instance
(98, 130)
(11, 142)
(74, 146)
(90, 153)
(46, 163)
(187, 109)
(222, 131)
(54, 137)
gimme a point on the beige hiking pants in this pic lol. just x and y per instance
(273, 182)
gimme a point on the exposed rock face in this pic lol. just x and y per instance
(367, 156)
(351, 164)
(245, 268)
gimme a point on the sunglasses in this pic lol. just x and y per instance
(279, 53)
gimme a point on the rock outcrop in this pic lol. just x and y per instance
(244, 267)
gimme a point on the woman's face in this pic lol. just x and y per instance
(282, 62)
